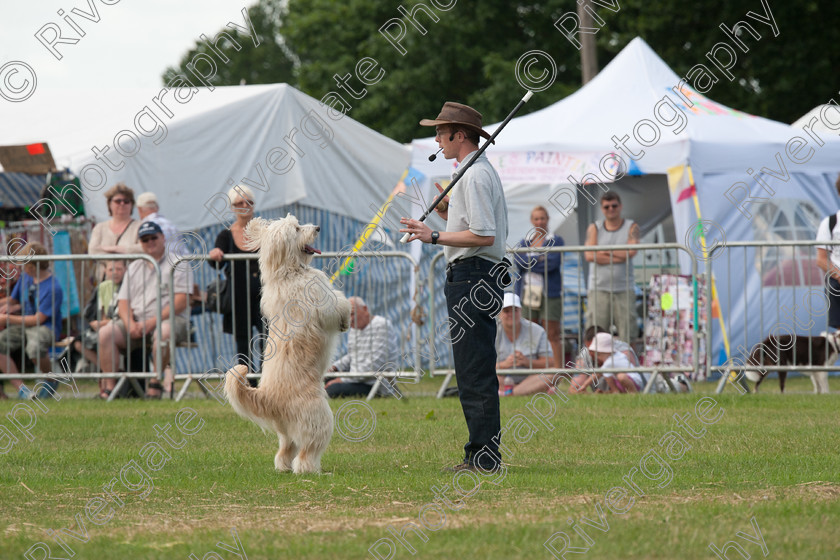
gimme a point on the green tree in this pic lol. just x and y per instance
(269, 63)
(470, 53)
(468, 56)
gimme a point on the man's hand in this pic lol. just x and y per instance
(605, 257)
(443, 208)
(417, 229)
(216, 254)
(519, 359)
(149, 325)
(507, 363)
(512, 361)
(135, 329)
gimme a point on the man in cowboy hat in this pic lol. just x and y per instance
(474, 245)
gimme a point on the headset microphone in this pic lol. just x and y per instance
(433, 157)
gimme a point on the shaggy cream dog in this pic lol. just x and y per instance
(306, 316)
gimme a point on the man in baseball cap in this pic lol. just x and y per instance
(137, 307)
(520, 345)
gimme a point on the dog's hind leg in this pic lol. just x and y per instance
(820, 381)
(308, 459)
(757, 383)
(313, 439)
(782, 378)
(285, 455)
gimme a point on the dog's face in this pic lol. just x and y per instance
(282, 243)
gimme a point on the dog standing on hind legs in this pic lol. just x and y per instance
(305, 317)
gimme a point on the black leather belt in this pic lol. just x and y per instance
(460, 261)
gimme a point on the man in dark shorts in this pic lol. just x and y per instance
(474, 245)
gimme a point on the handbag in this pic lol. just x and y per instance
(532, 296)
(218, 296)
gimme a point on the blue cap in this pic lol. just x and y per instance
(148, 228)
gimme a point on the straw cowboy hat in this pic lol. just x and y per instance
(462, 115)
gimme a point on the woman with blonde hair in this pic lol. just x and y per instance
(243, 277)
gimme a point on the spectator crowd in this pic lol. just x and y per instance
(128, 328)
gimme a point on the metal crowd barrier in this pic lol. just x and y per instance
(779, 264)
(396, 293)
(382, 301)
(684, 365)
(79, 327)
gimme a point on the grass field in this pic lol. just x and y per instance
(769, 457)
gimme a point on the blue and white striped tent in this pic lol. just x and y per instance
(384, 285)
(20, 190)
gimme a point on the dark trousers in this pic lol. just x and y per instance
(473, 291)
(832, 291)
(350, 389)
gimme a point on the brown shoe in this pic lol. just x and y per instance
(459, 467)
(468, 467)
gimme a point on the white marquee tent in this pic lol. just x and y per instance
(541, 155)
(189, 147)
(281, 141)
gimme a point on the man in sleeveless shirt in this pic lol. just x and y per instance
(611, 297)
(474, 245)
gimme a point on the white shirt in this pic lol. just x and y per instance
(370, 349)
(824, 235)
(619, 360)
(139, 287)
(531, 340)
(477, 203)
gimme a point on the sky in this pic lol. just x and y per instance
(129, 47)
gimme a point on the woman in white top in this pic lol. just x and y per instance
(119, 234)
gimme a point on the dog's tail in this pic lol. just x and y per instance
(245, 400)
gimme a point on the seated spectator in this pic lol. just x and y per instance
(519, 344)
(620, 346)
(608, 355)
(371, 346)
(99, 311)
(8, 279)
(137, 307)
(39, 325)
